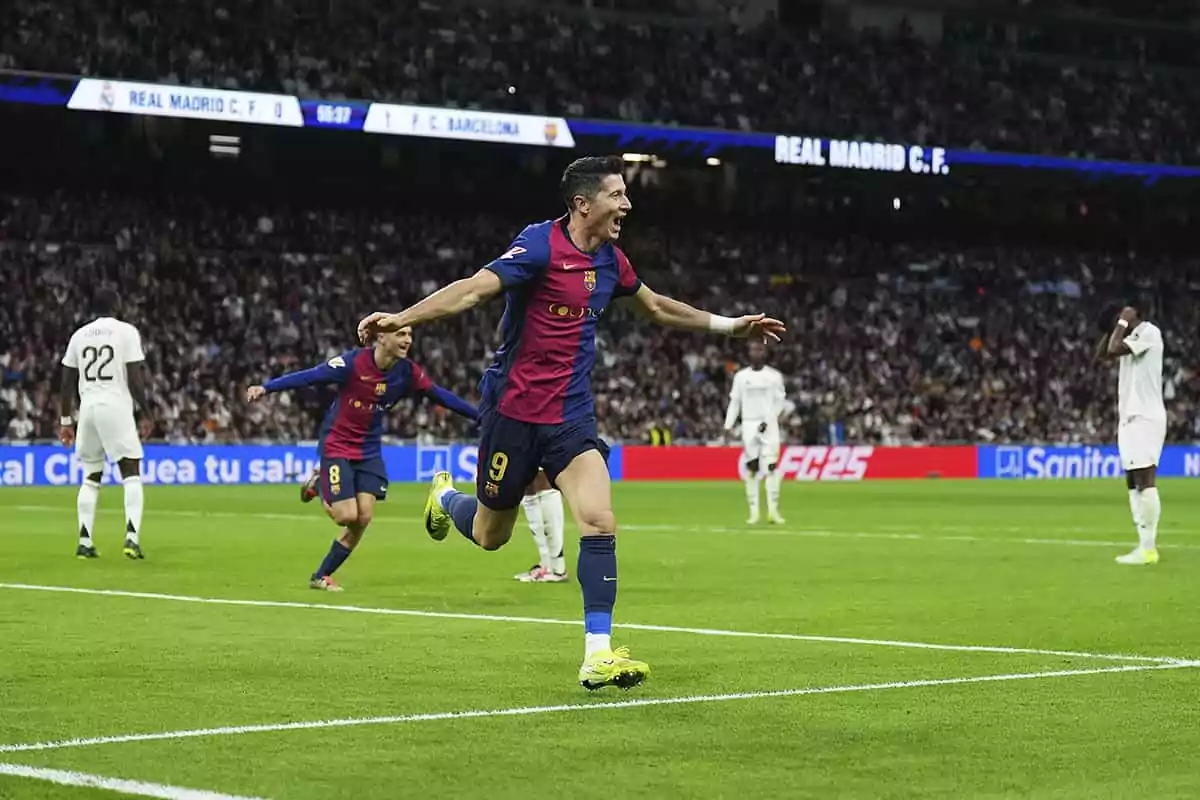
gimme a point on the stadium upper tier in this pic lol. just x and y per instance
(897, 343)
(952, 93)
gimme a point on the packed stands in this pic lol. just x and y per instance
(896, 343)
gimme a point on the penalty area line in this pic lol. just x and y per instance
(240, 730)
(633, 626)
(138, 788)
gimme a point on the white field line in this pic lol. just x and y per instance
(238, 730)
(403, 612)
(889, 534)
(138, 788)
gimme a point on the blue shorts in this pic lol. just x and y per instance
(511, 452)
(342, 479)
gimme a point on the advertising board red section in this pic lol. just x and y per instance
(801, 462)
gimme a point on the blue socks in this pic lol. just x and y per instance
(337, 556)
(461, 508)
(597, 573)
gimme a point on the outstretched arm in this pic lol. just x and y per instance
(452, 299)
(448, 399)
(334, 370)
(675, 314)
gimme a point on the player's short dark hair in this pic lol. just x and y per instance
(105, 301)
(583, 176)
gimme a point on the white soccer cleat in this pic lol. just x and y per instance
(775, 519)
(1137, 557)
(539, 574)
(752, 519)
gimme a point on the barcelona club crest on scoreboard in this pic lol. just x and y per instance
(551, 131)
(380, 389)
(589, 279)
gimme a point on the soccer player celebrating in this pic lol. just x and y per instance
(537, 410)
(757, 396)
(105, 364)
(543, 508)
(1142, 424)
(352, 475)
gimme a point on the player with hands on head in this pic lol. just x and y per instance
(1137, 345)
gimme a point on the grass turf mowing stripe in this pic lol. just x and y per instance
(404, 612)
(239, 730)
(138, 788)
(896, 536)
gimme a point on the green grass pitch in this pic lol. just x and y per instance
(859, 574)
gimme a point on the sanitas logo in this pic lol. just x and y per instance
(1075, 462)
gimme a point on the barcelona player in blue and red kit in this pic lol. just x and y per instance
(352, 474)
(558, 277)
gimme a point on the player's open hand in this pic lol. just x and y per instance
(758, 325)
(377, 323)
(66, 435)
(255, 393)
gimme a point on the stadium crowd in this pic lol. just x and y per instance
(969, 89)
(889, 343)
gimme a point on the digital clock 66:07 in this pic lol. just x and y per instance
(334, 115)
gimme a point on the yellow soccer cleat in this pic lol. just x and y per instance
(612, 668)
(437, 521)
(1138, 557)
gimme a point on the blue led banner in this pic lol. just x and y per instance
(788, 149)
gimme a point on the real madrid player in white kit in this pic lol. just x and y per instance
(758, 397)
(1142, 423)
(104, 363)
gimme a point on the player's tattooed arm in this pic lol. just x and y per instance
(450, 300)
(673, 313)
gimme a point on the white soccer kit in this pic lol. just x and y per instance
(100, 350)
(1142, 426)
(757, 396)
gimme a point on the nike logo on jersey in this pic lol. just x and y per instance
(570, 266)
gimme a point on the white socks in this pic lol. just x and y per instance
(1151, 509)
(552, 514)
(752, 482)
(133, 507)
(1135, 507)
(595, 642)
(774, 481)
(89, 498)
(532, 504)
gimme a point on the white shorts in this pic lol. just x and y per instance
(1140, 442)
(106, 430)
(762, 446)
